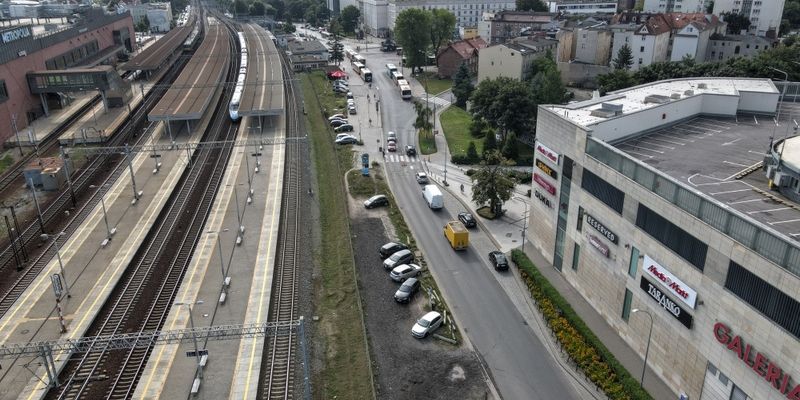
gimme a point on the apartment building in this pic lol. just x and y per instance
(512, 59)
(649, 39)
(668, 6)
(468, 12)
(765, 15)
(501, 26)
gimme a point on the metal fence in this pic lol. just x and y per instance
(764, 241)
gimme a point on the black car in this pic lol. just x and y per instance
(411, 151)
(391, 248)
(499, 260)
(376, 201)
(344, 128)
(406, 290)
(467, 219)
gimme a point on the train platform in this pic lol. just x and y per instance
(232, 368)
(190, 95)
(263, 92)
(91, 270)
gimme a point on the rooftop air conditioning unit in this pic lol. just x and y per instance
(689, 92)
(675, 96)
(656, 98)
(702, 86)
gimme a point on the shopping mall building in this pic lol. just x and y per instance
(663, 198)
(94, 37)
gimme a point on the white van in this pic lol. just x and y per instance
(433, 196)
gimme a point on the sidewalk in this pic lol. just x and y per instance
(506, 233)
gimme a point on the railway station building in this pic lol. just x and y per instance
(93, 39)
(656, 201)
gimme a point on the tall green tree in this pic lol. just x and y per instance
(489, 142)
(510, 147)
(349, 18)
(531, 5)
(407, 30)
(542, 64)
(296, 9)
(791, 13)
(491, 182)
(240, 7)
(547, 87)
(505, 103)
(472, 153)
(462, 86)
(423, 120)
(280, 8)
(443, 24)
(258, 8)
(288, 26)
(624, 58)
(736, 22)
(478, 128)
(615, 80)
(337, 50)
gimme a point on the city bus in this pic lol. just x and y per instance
(390, 69)
(357, 66)
(359, 58)
(405, 92)
(397, 77)
(350, 54)
(366, 74)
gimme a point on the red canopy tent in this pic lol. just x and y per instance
(337, 74)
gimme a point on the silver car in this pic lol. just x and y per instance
(427, 324)
(401, 272)
(400, 257)
(407, 290)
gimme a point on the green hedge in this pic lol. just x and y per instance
(583, 347)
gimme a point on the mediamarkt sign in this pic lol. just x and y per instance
(545, 151)
(779, 379)
(670, 281)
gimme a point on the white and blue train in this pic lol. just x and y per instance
(237, 91)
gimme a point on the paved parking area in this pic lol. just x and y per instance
(708, 153)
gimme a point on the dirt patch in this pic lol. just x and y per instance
(405, 367)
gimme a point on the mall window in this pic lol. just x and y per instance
(670, 235)
(3, 91)
(633, 265)
(576, 254)
(603, 191)
(768, 300)
(626, 305)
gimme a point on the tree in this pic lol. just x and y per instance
(240, 7)
(280, 8)
(423, 121)
(624, 58)
(710, 7)
(504, 103)
(143, 25)
(443, 24)
(510, 147)
(615, 80)
(407, 30)
(323, 13)
(288, 26)
(531, 5)
(462, 86)
(542, 64)
(337, 50)
(478, 128)
(258, 8)
(489, 143)
(296, 9)
(491, 182)
(736, 22)
(349, 18)
(791, 13)
(547, 88)
(472, 153)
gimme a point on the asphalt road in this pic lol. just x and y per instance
(520, 366)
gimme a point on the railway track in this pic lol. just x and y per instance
(142, 299)
(278, 364)
(101, 171)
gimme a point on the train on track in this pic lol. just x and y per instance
(237, 91)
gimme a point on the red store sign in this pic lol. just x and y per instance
(779, 379)
(599, 245)
(670, 281)
(545, 151)
(544, 184)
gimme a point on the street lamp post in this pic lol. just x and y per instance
(109, 230)
(649, 336)
(783, 92)
(525, 221)
(194, 336)
(61, 264)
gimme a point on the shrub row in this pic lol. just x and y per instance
(580, 343)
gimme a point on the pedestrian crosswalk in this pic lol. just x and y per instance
(399, 158)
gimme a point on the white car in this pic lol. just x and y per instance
(422, 178)
(346, 140)
(402, 272)
(427, 324)
(351, 109)
(336, 116)
(391, 136)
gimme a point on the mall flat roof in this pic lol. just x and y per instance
(634, 99)
(706, 153)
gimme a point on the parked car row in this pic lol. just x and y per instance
(398, 258)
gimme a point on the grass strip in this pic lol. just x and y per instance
(427, 142)
(432, 84)
(582, 346)
(346, 372)
(455, 124)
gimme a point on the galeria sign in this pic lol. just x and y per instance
(779, 379)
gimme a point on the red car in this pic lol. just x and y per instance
(391, 146)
